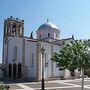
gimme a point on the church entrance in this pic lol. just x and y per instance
(14, 70)
(19, 70)
(10, 70)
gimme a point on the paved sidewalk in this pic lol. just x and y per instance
(24, 87)
(53, 85)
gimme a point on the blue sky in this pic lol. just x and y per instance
(71, 16)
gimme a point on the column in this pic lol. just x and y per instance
(11, 28)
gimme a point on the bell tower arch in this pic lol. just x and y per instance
(13, 26)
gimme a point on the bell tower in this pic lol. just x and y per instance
(13, 26)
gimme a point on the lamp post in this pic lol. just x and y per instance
(42, 51)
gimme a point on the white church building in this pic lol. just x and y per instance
(22, 57)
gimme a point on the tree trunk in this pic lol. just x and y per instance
(82, 88)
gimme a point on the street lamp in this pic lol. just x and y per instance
(42, 51)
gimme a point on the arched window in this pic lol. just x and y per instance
(20, 30)
(10, 70)
(15, 53)
(9, 30)
(48, 34)
(39, 35)
(46, 63)
(14, 70)
(32, 60)
(14, 29)
(19, 70)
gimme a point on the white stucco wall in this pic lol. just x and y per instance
(57, 72)
(15, 42)
(47, 69)
(31, 47)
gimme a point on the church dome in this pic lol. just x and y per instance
(48, 29)
(48, 25)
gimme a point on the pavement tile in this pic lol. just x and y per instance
(79, 82)
(67, 89)
(14, 86)
(38, 85)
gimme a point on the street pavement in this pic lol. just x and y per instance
(53, 85)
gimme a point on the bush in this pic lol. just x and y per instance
(3, 86)
(87, 72)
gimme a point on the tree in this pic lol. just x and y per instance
(74, 55)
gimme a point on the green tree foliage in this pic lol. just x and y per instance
(73, 55)
(4, 86)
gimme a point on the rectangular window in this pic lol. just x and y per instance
(39, 35)
(32, 60)
(46, 63)
(15, 53)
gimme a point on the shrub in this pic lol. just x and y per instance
(3, 86)
(87, 72)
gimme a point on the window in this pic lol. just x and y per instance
(20, 30)
(39, 35)
(46, 63)
(48, 34)
(19, 70)
(32, 60)
(14, 29)
(15, 53)
(14, 70)
(10, 70)
(56, 35)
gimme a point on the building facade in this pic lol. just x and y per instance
(22, 56)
